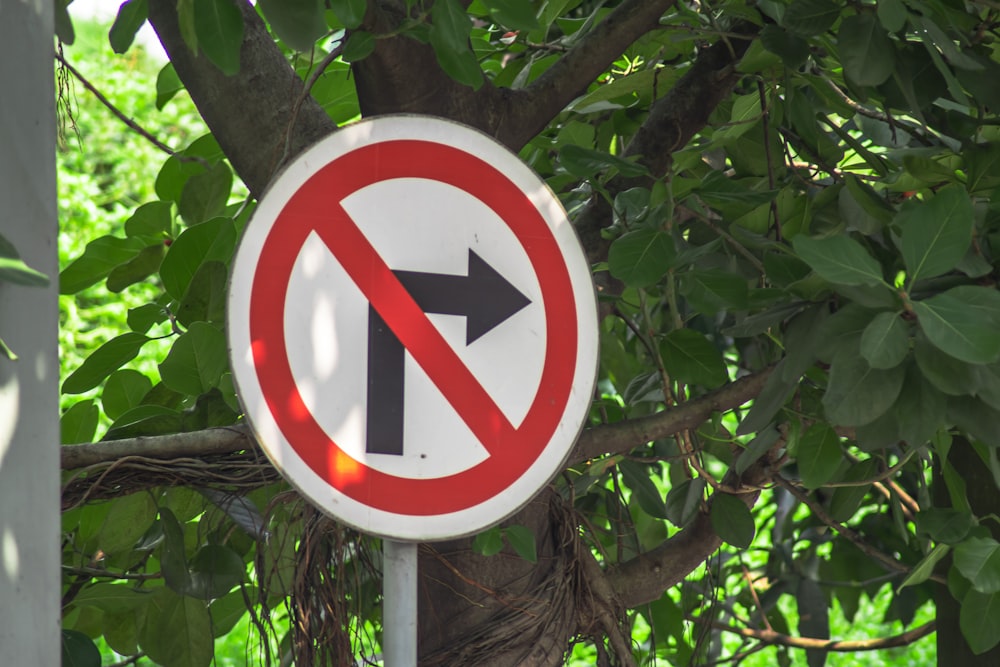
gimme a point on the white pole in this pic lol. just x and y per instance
(399, 604)
(29, 389)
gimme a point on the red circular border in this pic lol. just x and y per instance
(514, 450)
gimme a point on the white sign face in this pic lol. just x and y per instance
(412, 328)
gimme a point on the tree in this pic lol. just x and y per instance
(788, 210)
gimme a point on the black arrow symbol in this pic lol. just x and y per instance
(483, 296)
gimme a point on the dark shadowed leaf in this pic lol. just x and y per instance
(980, 620)
(934, 235)
(732, 520)
(79, 650)
(131, 16)
(819, 455)
(210, 241)
(691, 358)
(298, 23)
(99, 258)
(857, 393)
(712, 291)
(839, 259)
(944, 524)
(168, 84)
(586, 162)
(350, 12)
(513, 14)
(642, 257)
(771, 398)
(523, 542)
(886, 341)
(205, 194)
(218, 25)
(177, 631)
(152, 219)
(449, 37)
(137, 269)
(923, 570)
(359, 45)
(865, 50)
(684, 500)
(636, 477)
(215, 570)
(948, 375)
(963, 323)
(810, 17)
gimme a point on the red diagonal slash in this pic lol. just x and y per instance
(414, 330)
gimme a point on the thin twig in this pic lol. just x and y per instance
(839, 645)
(846, 532)
(138, 129)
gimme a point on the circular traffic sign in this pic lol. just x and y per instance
(412, 328)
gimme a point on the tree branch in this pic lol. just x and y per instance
(842, 645)
(176, 445)
(622, 436)
(533, 108)
(251, 113)
(672, 122)
(643, 579)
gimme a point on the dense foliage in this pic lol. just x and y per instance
(788, 208)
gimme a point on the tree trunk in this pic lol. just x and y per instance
(952, 649)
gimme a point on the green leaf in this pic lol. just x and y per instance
(137, 269)
(794, 50)
(963, 322)
(949, 375)
(523, 542)
(359, 45)
(885, 342)
(976, 418)
(128, 519)
(99, 258)
(978, 559)
(980, 620)
(213, 240)
(168, 84)
(107, 358)
(131, 16)
(684, 500)
(205, 298)
(586, 162)
(865, 50)
(196, 361)
(636, 477)
(892, 14)
(151, 219)
(488, 542)
(982, 165)
(214, 570)
(810, 17)
(449, 37)
(79, 423)
(642, 257)
(756, 448)
(218, 25)
(298, 23)
(690, 358)
(173, 559)
(819, 455)
(839, 259)
(776, 392)
(919, 410)
(934, 235)
(944, 524)
(123, 391)
(14, 270)
(63, 23)
(513, 14)
(205, 194)
(177, 631)
(78, 650)
(732, 520)
(857, 393)
(923, 570)
(711, 291)
(350, 12)
(847, 499)
(109, 597)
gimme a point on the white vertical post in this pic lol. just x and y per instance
(29, 398)
(399, 604)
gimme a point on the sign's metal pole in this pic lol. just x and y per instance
(399, 603)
